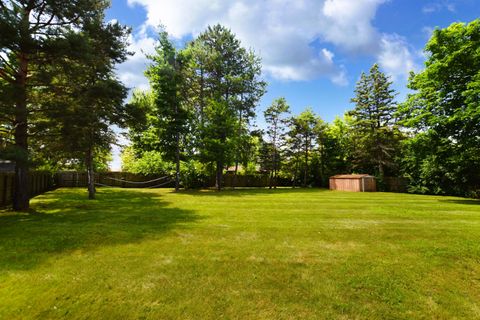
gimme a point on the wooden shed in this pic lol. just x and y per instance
(353, 182)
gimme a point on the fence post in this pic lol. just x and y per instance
(5, 190)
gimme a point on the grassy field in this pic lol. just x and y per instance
(250, 254)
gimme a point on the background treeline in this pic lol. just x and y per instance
(197, 120)
(60, 97)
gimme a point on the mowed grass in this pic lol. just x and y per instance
(245, 254)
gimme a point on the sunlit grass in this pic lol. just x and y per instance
(249, 254)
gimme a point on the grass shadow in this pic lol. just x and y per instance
(240, 192)
(63, 221)
(462, 201)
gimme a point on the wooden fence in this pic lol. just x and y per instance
(69, 179)
(241, 181)
(395, 184)
(38, 182)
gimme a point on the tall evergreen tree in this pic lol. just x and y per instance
(374, 122)
(34, 33)
(91, 96)
(302, 137)
(167, 75)
(225, 88)
(276, 126)
(252, 89)
(322, 142)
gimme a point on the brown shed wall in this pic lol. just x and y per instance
(345, 184)
(365, 184)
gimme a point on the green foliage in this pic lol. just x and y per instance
(444, 113)
(275, 117)
(142, 122)
(147, 163)
(36, 36)
(376, 137)
(218, 133)
(167, 76)
(201, 102)
(168, 89)
(193, 174)
(91, 97)
(265, 159)
(225, 88)
(301, 141)
(338, 142)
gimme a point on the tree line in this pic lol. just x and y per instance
(302, 149)
(59, 97)
(201, 105)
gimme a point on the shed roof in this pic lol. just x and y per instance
(351, 176)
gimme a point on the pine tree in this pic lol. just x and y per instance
(168, 81)
(225, 87)
(33, 34)
(302, 138)
(88, 97)
(276, 125)
(374, 122)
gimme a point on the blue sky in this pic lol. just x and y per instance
(313, 51)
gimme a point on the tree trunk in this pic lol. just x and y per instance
(202, 97)
(275, 173)
(235, 174)
(21, 199)
(297, 172)
(239, 133)
(90, 174)
(305, 173)
(219, 176)
(381, 170)
(270, 180)
(322, 164)
(274, 176)
(177, 145)
(177, 163)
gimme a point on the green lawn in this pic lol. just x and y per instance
(250, 254)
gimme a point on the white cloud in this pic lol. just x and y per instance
(340, 78)
(438, 6)
(280, 31)
(428, 31)
(396, 57)
(131, 72)
(349, 24)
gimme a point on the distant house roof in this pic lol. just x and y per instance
(241, 168)
(351, 176)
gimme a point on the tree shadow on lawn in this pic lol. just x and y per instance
(462, 201)
(241, 192)
(64, 220)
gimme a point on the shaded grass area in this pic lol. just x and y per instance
(245, 254)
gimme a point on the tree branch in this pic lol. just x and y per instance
(6, 76)
(6, 62)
